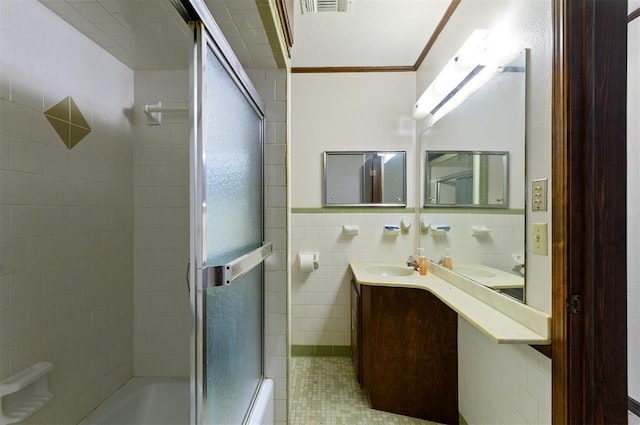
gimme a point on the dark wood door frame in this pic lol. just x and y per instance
(589, 384)
(634, 405)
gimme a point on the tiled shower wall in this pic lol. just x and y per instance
(163, 323)
(66, 216)
(321, 303)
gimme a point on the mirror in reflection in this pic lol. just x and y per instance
(474, 165)
(365, 178)
(466, 179)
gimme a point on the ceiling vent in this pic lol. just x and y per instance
(315, 6)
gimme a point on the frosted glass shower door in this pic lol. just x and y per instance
(228, 197)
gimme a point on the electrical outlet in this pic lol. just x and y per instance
(540, 239)
(539, 195)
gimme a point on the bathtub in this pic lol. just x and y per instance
(145, 401)
(165, 401)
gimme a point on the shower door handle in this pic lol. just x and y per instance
(227, 273)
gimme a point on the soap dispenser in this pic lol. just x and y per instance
(422, 262)
(446, 260)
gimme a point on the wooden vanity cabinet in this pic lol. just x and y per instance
(405, 346)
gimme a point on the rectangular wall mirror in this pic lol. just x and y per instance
(466, 179)
(365, 179)
(473, 181)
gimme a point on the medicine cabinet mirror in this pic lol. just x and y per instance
(466, 179)
(365, 179)
(473, 183)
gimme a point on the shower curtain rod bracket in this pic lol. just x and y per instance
(154, 112)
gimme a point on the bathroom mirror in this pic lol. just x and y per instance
(466, 179)
(365, 179)
(473, 183)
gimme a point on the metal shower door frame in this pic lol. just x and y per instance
(207, 35)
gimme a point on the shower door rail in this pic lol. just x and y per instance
(228, 273)
(228, 248)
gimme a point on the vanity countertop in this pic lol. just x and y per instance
(500, 326)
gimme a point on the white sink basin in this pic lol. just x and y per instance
(391, 271)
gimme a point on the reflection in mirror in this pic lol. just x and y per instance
(365, 179)
(485, 209)
(466, 179)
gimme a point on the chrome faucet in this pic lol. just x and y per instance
(412, 261)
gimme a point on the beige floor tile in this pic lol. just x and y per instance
(324, 391)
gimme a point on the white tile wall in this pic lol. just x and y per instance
(495, 250)
(271, 84)
(514, 381)
(161, 242)
(66, 258)
(320, 300)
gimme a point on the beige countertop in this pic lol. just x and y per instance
(489, 276)
(502, 319)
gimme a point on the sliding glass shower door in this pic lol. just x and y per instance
(228, 236)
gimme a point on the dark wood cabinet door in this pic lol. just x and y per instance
(409, 353)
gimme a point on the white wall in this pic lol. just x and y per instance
(347, 111)
(344, 111)
(66, 216)
(633, 208)
(163, 323)
(523, 24)
(501, 384)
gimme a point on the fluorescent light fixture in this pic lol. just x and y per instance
(473, 65)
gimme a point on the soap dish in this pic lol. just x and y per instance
(480, 231)
(391, 230)
(24, 393)
(439, 229)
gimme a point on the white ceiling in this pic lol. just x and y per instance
(372, 33)
(150, 34)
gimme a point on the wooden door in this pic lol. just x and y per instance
(589, 213)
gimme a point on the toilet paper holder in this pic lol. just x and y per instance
(308, 261)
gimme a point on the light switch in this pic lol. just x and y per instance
(539, 195)
(540, 239)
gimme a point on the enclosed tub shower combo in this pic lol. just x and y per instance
(223, 119)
